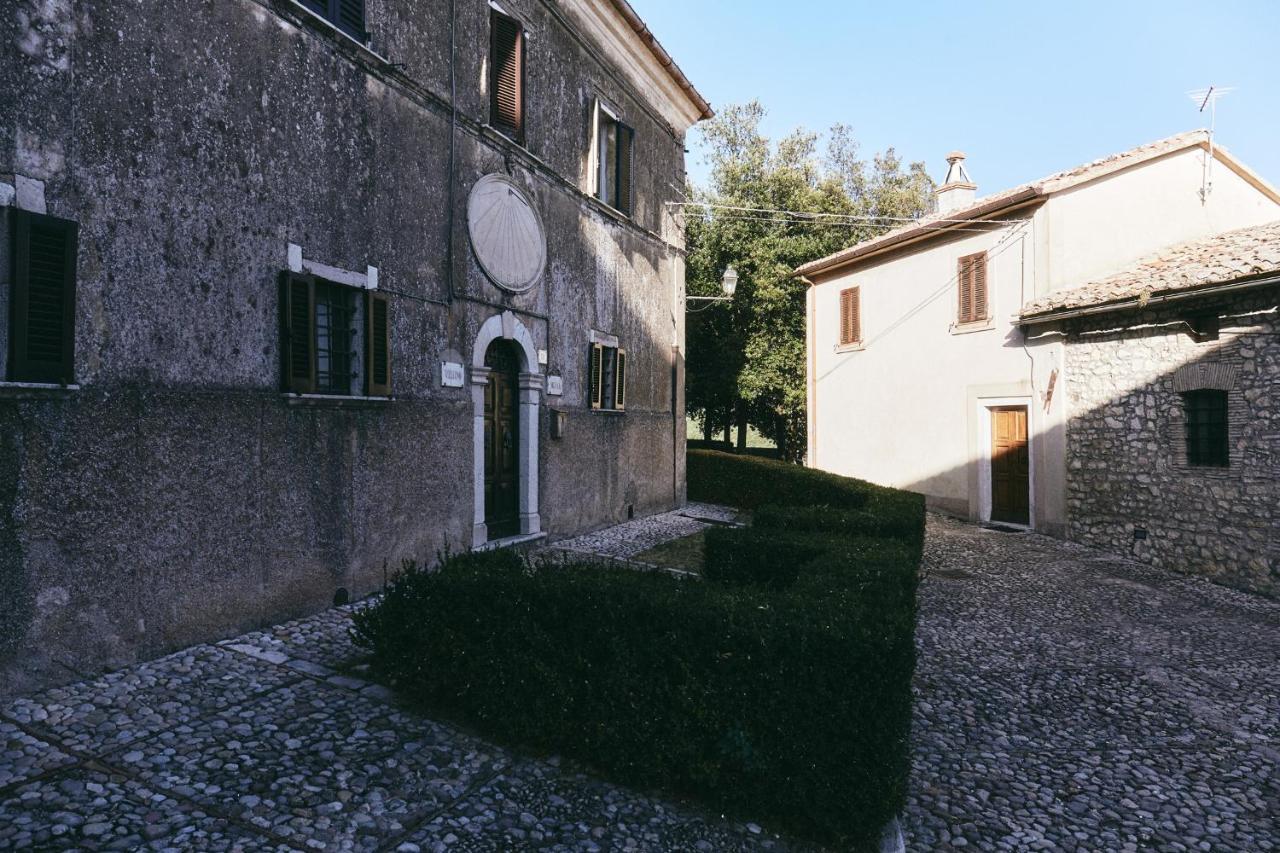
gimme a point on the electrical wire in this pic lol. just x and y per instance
(811, 215)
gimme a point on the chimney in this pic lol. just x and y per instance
(958, 190)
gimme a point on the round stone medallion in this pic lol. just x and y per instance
(506, 233)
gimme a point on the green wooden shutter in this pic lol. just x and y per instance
(377, 344)
(42, 307)
(298, 336)
(620, 380)
(595, 376)
(626, 143)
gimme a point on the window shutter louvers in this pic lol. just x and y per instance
(965, 290)
(506, 75)
(595, 376)
(620, 381)
(377, 345)
(980, 287)
(850, 319)
(297, 346)
(626, 143)
(351, 18)
(43, 303)
(972, 275)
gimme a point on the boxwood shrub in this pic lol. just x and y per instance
(778, 689)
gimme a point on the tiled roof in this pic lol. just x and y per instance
(1219, 259)
(992, 205)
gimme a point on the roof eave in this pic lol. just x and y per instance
(1057, 315)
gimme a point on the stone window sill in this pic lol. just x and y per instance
(856, 346)
(34, 390)
(335, 32)
(608, 411)
(968, 328)
(335, 401)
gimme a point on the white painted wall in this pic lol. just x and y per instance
(907, 409)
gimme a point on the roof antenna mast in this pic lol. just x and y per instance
(1208, 98)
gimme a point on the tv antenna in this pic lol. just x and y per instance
(1208, 98)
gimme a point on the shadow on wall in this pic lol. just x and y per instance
(1171, 445)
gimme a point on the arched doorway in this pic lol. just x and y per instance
(502, 440)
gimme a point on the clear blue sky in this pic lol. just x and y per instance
(1025, 89)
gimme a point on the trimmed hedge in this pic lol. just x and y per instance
(747, 482)
(779, 690)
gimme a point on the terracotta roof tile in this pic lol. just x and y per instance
(1219, 259)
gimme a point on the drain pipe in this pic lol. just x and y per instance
(453, 144)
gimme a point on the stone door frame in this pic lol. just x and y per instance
(507, 326)
(984, 426)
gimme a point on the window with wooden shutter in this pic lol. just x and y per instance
(972, 288)
(506, 75)
(595, 376)
(377, 345)
(43, 299)
(615, 147)
(297, 339)
(346, 15)
(620, 380)
(850, 317)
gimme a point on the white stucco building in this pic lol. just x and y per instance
(919, 373)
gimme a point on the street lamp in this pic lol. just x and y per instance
(728, 283)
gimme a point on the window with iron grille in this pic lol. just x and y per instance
(42, 299)
(1205, 412)
(607, 378)
(335, 339)
(614, 144)
(346, 15)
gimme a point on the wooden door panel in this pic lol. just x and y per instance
(1010, 466)
(501, 444)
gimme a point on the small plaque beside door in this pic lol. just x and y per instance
(555, 386)
(451, 374)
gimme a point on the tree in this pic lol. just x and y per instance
(746, 360)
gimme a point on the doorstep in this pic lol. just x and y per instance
(511, 541)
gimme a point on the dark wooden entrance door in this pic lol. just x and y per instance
(1010, 468)
(502, 442)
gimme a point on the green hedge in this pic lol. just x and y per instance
(748, 482)
(778, 691)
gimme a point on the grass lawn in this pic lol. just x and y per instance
(684, 553)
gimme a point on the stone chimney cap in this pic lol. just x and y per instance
(954, 156)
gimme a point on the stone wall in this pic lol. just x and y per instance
(1127, 465)
(176, 495)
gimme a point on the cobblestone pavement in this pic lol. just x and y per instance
(624, 541)
(1073, 700)
(274, 741)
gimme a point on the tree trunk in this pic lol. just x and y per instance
(706, 426)
(740, 415)
(728, 426)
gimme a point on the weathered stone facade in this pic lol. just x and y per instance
(1126, 440)
(174, 494)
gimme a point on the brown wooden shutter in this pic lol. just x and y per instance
(626, 143)
(979, 287)
(377, 344)
(972, 291)
(850, 317)
(297, 326)
(620, 380)
(506, 75)
(964, 274)
(43, 304)
(595, 376)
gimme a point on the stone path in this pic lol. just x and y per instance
(624, 541)
(1073, 700)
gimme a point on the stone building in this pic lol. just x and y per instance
(925, 372)
(1173, 435)
(294, 290)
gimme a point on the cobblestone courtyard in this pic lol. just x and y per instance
(1067, 700)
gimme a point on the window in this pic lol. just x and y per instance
(346, 15)
(334, 339)
(506, 75)
(614, 144)
(42, 301)
(1206, 416)
(607, 378)
(850, 317)
(973, 288)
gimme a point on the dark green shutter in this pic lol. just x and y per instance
(620, 380)
(626, 142)
(377, 344)
(297, 327)
(595, 376)
(350, 18)
(43, 304)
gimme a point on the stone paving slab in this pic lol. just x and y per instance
(634, 537)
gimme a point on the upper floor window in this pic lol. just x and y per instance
(506, 75)
(335, 339)
(1205, 412)
(346, 15)
(42, 299)
(972, 275)
(607, 378)
(850, 316)
(614, 144)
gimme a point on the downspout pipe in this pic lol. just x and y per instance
(451, 194)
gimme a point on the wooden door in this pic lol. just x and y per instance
(1010, 468)
(501, 443)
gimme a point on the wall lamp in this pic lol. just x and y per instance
(728, 283)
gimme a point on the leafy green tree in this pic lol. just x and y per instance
(746, 360)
